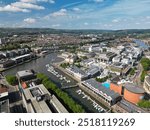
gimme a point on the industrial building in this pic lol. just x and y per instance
(147, 84)
(107, 95)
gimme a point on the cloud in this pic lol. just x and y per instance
(10, 8)
(56, 25)
(29, 20)
(28, 1)
(76, 9)
(86, 23)
(51, 1)
(115, 20)
(23, 5)
(97, 1)
(62, 12)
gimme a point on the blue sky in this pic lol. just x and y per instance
(76, 14)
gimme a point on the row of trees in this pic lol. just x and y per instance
(145, 62)
(10, 46)
(72, 105)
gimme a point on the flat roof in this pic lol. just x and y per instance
(60, 108)
(24, 73)
(32, 93)
(77, 70)
(21, 56)
(133, 88)
(99, 86)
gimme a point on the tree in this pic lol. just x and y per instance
(11, 79)
(132, 71)
(67, 100)
(144, 104)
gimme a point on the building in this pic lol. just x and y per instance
(116, 68)
(23, 58)
(77, 73)
(4, 99)
(116, 59)
(105, 57)
(107, 95)
(116, 88)
(146, 85)
(93, 71)
(69, 57)
(87, 62)
(25, 75)
(133, 93)
(6, 63)
(95, 48)
(36, 98)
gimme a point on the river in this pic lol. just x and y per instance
(39, 65)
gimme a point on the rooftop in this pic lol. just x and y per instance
(19, 57)
(99, 86)
(37, 96)
(25, 73)
(133, 88)
(77, 70)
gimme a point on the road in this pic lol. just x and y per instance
(137, 77)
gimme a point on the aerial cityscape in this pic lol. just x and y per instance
(88, 56)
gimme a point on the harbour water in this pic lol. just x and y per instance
(41, 65)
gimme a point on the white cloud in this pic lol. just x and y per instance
(27, 6)
(97, 1)
(29, 20)
(10, 8)
(22, 6)
(51, 1)
(62, 12)
(115, 20)
(76, 9)
(56, 25)
(137, 23)
(86, 23)
(35, 1)
(28, 1)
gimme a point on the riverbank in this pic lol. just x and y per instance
(89, 92)
(4, 69)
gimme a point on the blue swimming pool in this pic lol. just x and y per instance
(106, 85)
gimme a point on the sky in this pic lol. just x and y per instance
(76, 14)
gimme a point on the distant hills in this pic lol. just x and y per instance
(21, 31)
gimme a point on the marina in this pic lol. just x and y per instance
(69, 85)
